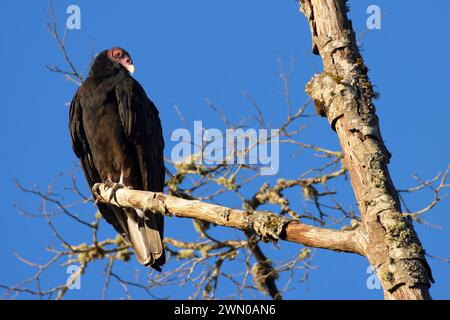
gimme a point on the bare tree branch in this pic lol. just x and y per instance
(267, 225)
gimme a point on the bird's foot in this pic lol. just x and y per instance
(114, 187)
(96, 192)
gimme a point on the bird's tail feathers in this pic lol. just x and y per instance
(146, 234)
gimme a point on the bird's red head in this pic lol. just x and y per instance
(122, 57)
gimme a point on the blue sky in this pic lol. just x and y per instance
(216, 49)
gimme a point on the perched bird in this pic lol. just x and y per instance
(116, 133)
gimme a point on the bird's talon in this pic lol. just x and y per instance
(96, 192)
(114, 187)
(109, 184)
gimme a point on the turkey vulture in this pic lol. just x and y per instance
(116, 133)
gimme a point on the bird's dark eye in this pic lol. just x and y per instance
(117, 53)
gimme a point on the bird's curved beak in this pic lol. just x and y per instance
(127, 63)
(130, 68)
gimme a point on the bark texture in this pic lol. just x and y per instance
(269, 226)
(343, 93)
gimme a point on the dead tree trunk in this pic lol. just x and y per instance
(343, 93)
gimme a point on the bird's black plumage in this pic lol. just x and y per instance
(116, 133)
